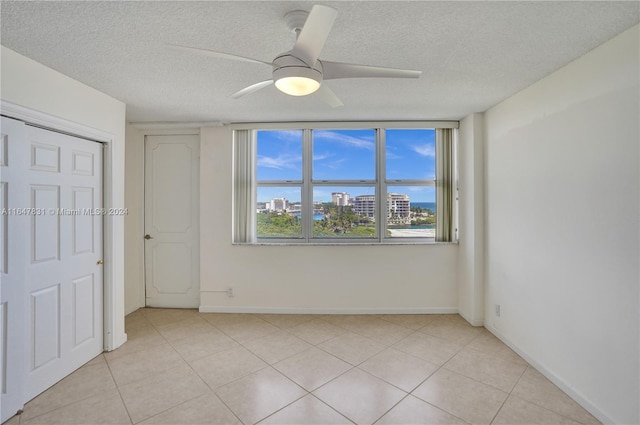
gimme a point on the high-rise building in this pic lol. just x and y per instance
(278, 204)
(340, 198)
(398, 207)
(365, 205)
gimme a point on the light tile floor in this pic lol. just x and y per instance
(184, 367)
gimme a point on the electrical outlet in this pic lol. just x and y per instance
(230, 292)
(497, 310)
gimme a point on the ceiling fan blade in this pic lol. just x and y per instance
(333, 70)
(329, 97)
(214, 54)
(314, 34)
(252, 88)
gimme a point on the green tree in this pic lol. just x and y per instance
(278, 224)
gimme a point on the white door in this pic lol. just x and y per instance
(172, 270)
(13, 306)
(55, 240)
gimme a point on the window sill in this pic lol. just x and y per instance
(333, 243)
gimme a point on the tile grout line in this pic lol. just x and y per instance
(20, 419)
(538, 405)
(413, 331)
(509, 394)
(436, 371)
(244, 376)
(268, 365)
(410, 393)
(287, 330)
(356, 367)
(331, 407)
(119, 393)
(200, 377)
(288, 404)
(123, 402)
(307, 392)
(190, 367)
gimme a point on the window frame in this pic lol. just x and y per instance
(379, 183)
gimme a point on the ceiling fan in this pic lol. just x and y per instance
(300, 72)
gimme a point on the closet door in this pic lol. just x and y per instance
(51, 259)
(12, 255)
(63, 181)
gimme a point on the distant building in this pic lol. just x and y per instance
(294, 208)
(278, 204)
(365, 205)
(398, 207)
(340, 198)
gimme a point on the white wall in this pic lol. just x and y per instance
(134, 222)
(562, 207)
(471, 219)
(309, 278)
(31, 85)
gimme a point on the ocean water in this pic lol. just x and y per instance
(408, 226)
(315, 216)
(423, 205)
(430, 205)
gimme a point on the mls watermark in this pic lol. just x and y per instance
(65, 211)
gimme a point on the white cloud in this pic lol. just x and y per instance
(286, 135)
(424, 150)
(322, 156)
(356, 142)
(283, 161)
(318, 193)
(391, 155)
(335, 164)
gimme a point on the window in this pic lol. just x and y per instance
(367, 184)
(279, 175)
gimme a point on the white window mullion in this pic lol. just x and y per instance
(307, 187)
(381, 187)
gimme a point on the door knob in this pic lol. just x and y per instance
(147, 237)
(99, 262)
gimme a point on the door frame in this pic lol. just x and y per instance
(112, 338)
(147, 130)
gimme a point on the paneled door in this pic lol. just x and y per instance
(64, 255)
(12, 306)
(172, 268)
(52, 189)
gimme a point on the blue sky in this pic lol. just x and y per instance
(346, 155)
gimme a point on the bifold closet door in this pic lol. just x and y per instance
(12, 251)
(54, 239)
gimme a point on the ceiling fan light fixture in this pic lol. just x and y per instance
(299, 71)
(297, 86)
(297, 80)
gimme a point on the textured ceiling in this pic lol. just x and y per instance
(472, 54)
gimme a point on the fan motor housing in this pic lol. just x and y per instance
(290, 71)
(287, 65)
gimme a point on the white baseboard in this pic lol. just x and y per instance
(303, 310)
(132, 309)
(560, 383)
(472, 322)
